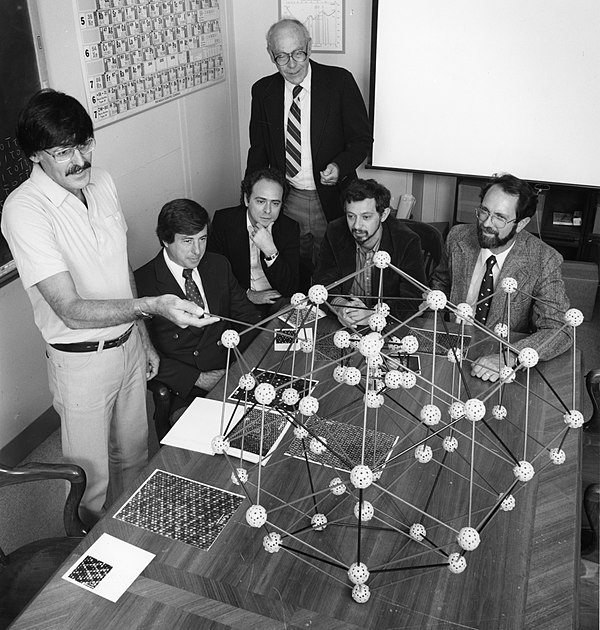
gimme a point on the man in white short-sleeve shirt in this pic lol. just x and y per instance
(67, 233)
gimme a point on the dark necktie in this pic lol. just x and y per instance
(191, 289)
(485, 292)
(293, 149)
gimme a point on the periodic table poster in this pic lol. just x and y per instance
(137, 54)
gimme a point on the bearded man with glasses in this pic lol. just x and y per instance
(496, 247)
(310, 122)
(66, 230)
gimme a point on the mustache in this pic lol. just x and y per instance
(76, 168)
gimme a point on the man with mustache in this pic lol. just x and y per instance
(537, 308)
(349, 246)
(67, 233)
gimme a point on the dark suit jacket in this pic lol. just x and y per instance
(229, 237)
(340, 131)
(185, 352)
(540, 301)
(338, 259)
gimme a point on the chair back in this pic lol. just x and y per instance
(432, 244)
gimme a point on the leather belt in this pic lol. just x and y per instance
(92, 346)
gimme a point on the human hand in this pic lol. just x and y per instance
(181, 312)
(488, 367)
(152, 361)
(353, 313)
(263, 239)
(331, 174)
(268, 296)
(207, 380)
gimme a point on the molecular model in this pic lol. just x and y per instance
(397, 420)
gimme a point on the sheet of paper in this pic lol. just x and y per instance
(109, 567)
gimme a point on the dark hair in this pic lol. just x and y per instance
(511, 185)
(270, 174)
(180, 216)
(52, 119)
(359, 189)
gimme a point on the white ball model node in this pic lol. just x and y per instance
(423, 453)
(377, 474)
(507, 374)
(457, 410)
(341, 339)
(256, 516)
(319, 522)
(382, 308)
(264, 393)
(301, 433)
(318, 445)
(394, 344)
(375, 361)
(474, 409)
(230, 338)
(272, 542)
(298, 300)
(373, 400)
(574, 419)
(352, 376)
(361, 593)
(355, 340)
(339, 373)
(377, 322)
(524, 471)
(308, 406)
(392, 379)
(306, 346)
(417, 532)
(501, 330)
(464, 313)
(361, 476)
(382, 259)
(358, 573)
(337, 486)
(499, 412)
(371, 344)
(219, 444)
(247, 382)
(455, 355)
(436, 300)
(468, 538)
(509, 285)
(528, 357)
(290, 396)
(240, 474)
(456, 563)
(450, 443)
(557, 456)
(407, 380)
(430, 415)
(508, 503)
(409, 344)
(317, 294)
(365, 511)
(574, 317)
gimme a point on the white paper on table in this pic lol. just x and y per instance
(109, 567)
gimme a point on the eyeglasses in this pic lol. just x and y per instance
(497, 221)
(66, 154)
(282, 59)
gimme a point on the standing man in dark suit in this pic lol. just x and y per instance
(309, 121)
(192, 360)
(260, 242)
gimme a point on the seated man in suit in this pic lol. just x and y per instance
(349, 245)
(260, 242)
(498, 247)
(192, 360)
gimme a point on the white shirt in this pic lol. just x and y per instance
(480, 266)
(177, 271)
(304, 179)
(258, 279)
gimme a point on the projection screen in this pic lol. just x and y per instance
(472, 87)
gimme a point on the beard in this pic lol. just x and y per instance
(491, 240)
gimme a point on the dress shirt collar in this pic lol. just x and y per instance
(56, 193)
(177, 271)
(485, 253)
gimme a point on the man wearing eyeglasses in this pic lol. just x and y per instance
(67, 233)
(481, 255)
(310, 122)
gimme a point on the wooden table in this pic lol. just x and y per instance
(522, 575)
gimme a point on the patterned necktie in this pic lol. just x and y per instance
(485, 292)
(191, 289)
(293, 149)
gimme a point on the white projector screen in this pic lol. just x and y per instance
(472, 87)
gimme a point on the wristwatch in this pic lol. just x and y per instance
(272, 257)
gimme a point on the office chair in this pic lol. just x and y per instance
(24, 571)
(432, 244)
(591, 493)
(162, 398)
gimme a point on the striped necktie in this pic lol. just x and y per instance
(485, 292)
(293, 148)
(191, 289)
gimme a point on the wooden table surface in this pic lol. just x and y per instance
(522, 575)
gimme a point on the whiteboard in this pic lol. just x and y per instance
(471, 87)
